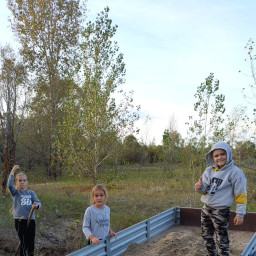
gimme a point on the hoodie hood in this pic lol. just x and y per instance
(219, 145)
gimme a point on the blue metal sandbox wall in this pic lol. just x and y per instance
(142, 232)
(250, 249)
(138, 233)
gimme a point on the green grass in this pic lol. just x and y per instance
(133, 195)
(251, 190)
(5, 207)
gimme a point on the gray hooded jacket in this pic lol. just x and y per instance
(226, 186)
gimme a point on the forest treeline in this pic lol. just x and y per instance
(63, 105)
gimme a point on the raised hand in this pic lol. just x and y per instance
(14, 169)
(199, 184)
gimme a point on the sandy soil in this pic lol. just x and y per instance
(185, 241)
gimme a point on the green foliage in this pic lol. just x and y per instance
(94, 122)
(245, 153)
(210, 108)
(5, 209)
(251, 191)
(48, 32)
(172, 146)
(155, 153)
(132, 150)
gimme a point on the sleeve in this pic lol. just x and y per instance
(240, 194)
(10, 185)
(36, 200)
(87, 223)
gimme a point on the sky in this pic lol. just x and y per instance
(169, 48)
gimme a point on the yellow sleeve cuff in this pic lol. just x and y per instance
(241, 199)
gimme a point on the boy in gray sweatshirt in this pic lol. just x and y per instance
(222, 184)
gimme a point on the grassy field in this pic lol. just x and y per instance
(134, 195)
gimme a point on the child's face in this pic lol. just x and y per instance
(21, 182)
(99, 198)
(219, 157)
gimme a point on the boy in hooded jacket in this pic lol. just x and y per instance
(222, 184)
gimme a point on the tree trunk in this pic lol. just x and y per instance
(9, 160)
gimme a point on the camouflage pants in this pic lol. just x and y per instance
(215, 222)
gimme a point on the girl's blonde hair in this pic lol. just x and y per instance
(98, 187)
(17, 176)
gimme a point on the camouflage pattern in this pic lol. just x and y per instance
(214, 223)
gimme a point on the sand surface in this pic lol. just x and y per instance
(185, 241)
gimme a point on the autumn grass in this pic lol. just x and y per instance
(135, 194)
(5, 211)
(251, 190)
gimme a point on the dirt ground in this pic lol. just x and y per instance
(52, 239)
(63, 237)
(185, 241)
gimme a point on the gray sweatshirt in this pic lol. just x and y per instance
(226, 186)
(96, 222)
(22, 200)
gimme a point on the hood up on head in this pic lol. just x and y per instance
(219, 145)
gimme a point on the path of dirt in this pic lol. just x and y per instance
(185, 241)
